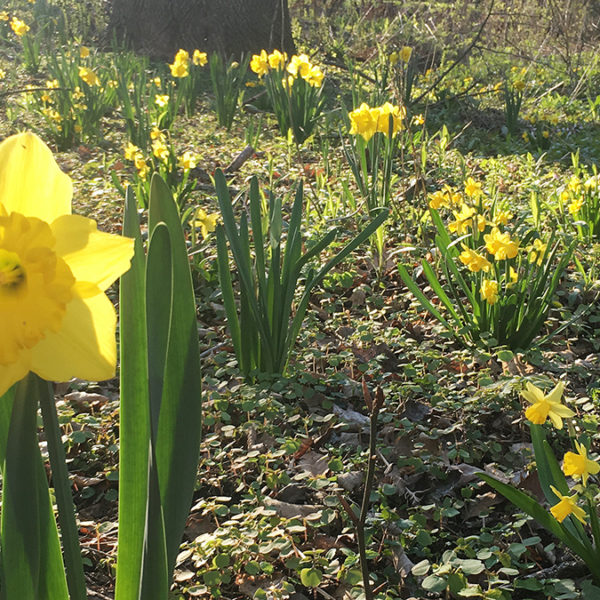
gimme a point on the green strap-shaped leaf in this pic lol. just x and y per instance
(69, 532)
(227, 292)
(159, 299)
(134, 416)
(32, 566)
(179, 428)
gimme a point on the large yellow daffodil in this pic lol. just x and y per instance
(55, 319)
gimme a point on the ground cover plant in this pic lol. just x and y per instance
(403, 213)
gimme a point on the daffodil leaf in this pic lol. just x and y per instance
(179, 426)
(32, 565)
(134, 420)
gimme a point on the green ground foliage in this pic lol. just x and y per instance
(500, 123)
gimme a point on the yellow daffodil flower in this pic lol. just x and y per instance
(438, 199)
(362, 122)
(575, 206)
(19, 27)
(199, 58)
(299, 65)
(315, 77)
(84, 52)
(463, 220)
(578, 465)
(405, 53)
(206, 223)
(89, 76)
(489, 291)
(394, 58)
(260, 63)
(54, 268)
(160, 150)
(418, 120)
(382, 116)
(566, 506)
(130, 151)
(188, 160)
(502, 217)
(500, 245)
(544, 407)
(180, 66)
(537, 251)
(277, 59)
(474, 261)
(473, 188)
(161, 100)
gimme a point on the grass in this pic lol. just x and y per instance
(276, 455)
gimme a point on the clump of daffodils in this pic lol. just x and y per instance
(489, 247)
(163, 159)
(295, 67)
(366, 121)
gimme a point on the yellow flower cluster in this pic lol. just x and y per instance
(575, 464)
(366, 121)
(403, 55)
(296, 66)
(135, 155)
(180, 67)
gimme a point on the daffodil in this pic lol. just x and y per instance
(161, 100)
(489, 291)
(575, 206)
(19, 27)
(54, 268)
(180, 66)
(299, 65)
(566, 506)
(89, 76)
(84, 52)
(578, 465)
(438, 199)
(205, 222)
(277, 59)
(500, 244)
(362, 122)
(473, 188)
(537, 251)
(199, 58)
(382, 116)
(260, 63)
(544, 407)
(474, 261)
(405, 53)
(188, 160)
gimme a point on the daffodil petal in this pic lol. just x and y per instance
(31, 183)
(532, 393)
(10, 374)
(556, 419)
(93, 256)
(562, 410)
(85, 345)
(556, 394)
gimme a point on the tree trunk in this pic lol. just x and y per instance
(232, 27)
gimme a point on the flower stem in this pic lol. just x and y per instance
(62, 490)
